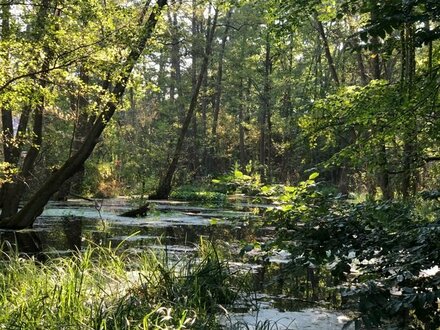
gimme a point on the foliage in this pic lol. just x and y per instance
(190, 193)
(374, 250)
(6, 172)
(240, 182)
(102, 288)
(382, 256)
(101, 181)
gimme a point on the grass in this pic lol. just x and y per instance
(102, 288)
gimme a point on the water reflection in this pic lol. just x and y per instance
(74, 225)
(24, 242)
(175, 229)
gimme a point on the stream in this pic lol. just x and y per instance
(177, 228)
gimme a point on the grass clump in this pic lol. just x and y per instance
(103, 289)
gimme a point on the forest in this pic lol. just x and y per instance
(317, 121)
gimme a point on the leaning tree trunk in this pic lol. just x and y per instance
(34, 207)
(164, 188)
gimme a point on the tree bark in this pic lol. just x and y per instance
(383, 176)
(164, 188)
(176, 76)
(34, 207)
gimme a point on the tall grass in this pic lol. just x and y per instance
(103, 288)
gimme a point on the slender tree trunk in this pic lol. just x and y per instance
(196, 29)
(383, 176)
(176, 76)
(218, 89)
(241, 126)
(219, 78)
(361, 68)
(26, 216)
(410, 135)
(6, 113)
(204, 128)
(328, 55)
(164, 188)
(287, 97)
(264, 117)
(341, 173)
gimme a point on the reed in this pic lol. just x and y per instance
(107, 288)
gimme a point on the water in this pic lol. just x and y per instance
(177, 227)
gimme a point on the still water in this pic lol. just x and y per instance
(177, 227)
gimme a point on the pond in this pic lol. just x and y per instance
(176, 228)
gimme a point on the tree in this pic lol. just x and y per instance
(164, 188)
(32, 208)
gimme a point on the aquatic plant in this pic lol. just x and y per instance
(105, 288)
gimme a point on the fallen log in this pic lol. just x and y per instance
(139, 212)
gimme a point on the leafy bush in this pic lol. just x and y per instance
(382, 256)
(375, 252)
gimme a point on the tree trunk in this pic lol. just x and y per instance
(328, 55)
(164, 188)
(241, 127)
(383, 176)
(219, 78)
(204, 128)
(361, 68)
(410, 135)
(264, 118)
(12, 192)
(6, 113)
(176, 76)
(34, 207)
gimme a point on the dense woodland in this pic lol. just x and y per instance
(329, 109)
(349, 88)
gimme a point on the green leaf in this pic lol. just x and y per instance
(313, 176)
(238, 174)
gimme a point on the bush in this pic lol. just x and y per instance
(381, 255)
